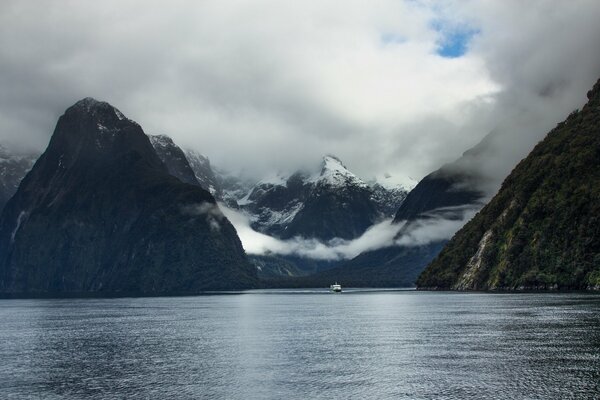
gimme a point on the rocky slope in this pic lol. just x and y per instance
(329, 203)
(542, 229)
(13, 167)
(174, 158)
(204, 173)
(99, 213)
(445, 195)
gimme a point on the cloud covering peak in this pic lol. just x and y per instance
(389, 86)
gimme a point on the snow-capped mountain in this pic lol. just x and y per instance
(13, 167)
(323, 203)
(331, 202)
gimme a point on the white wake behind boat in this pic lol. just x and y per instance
(336, 288)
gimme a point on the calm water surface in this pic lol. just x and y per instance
(303, 345)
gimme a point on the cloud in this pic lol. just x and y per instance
(437, 225)
(441, 224)
(263, 84)
(211, 211)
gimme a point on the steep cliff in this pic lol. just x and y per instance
(542, 229)
(100, 213)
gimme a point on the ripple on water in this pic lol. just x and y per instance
(297, 344)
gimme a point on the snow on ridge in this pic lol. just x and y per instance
(244, 201)
(196, 157)
(119, 114)
(275, 179)
(160, 140)
(269, 217)
(335, 173)
(396, 182)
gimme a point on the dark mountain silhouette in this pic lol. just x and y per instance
(99, 213)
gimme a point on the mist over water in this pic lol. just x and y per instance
(303, 344)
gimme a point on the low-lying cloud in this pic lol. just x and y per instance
(436, 227)
(433, 227)
(210, 211)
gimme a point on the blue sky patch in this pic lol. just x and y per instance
(454, 41)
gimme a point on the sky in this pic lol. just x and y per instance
(389, 86)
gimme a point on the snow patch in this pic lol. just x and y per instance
(334, 173)
(392, 182)
(119, 115)
(272, 217)
(276, 179)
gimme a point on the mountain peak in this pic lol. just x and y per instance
(330, 158)
(333, 163)
(91, 106)
(113, 218)
(334, 173)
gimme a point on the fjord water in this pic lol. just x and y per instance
(304, 345)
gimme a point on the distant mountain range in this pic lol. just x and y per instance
(542, 229)
(444, 194)
(107, 209)
(331, 202)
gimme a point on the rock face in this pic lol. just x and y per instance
(204, 173)
(173, 158)
(542, 229)
(13, 168)
(387, 200)
(444, 194)
(99, 213)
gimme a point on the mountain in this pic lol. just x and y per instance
(338, 205)
(174, 159)
(387, 200)
(329, 203)
(542, 229)
(13, 167)
(445, 196)
(99, 213)
(193, 167)
(446, 187)
(204, 173)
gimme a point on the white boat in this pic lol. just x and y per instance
(336, 288)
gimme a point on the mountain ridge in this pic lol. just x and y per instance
(540, 231)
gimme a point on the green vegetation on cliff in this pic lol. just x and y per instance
(542, 229)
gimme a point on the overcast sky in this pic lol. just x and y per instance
(388, 86)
